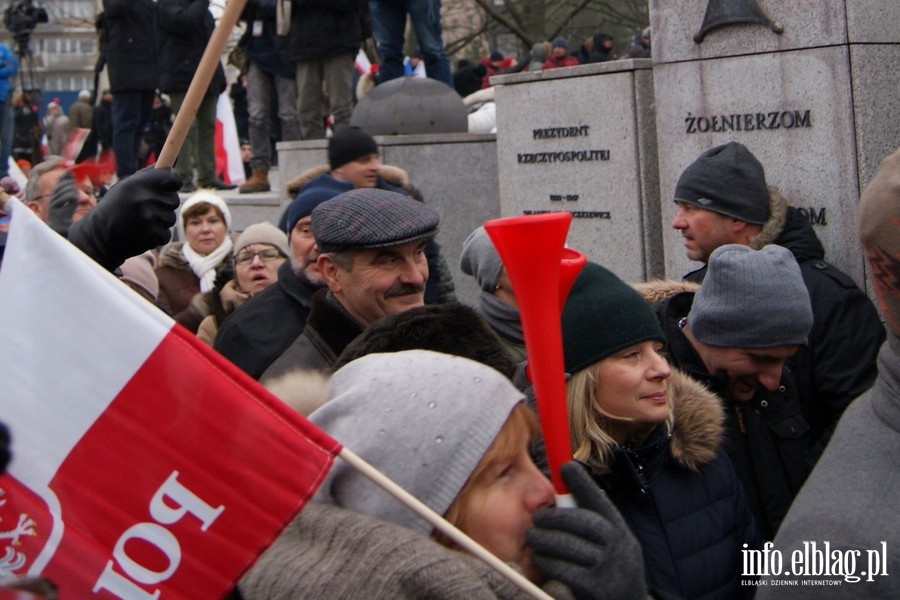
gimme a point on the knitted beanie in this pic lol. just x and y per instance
(560, 42)
(480, 260)
(140, 270)
(422, 418)
(603, 315)
(728, 180)
(308, 199)
(197, 198)
(349, 143)
(262, 233)
(751, 299)
(879, 230)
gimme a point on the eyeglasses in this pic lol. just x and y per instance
(267, 255)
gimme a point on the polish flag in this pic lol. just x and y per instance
(227, 144)
(145, 465)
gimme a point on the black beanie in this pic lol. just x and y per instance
(349, 143)
(727, 180)
(603, 315)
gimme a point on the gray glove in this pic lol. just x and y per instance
(63, 202)
(134, 216)
(589, 548)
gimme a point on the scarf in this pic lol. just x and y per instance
(503, 318)
(204, 265)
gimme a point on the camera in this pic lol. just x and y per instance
(21, 17)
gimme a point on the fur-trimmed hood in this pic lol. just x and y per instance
(778, 210)
(657, 290)
(699, 419)
(171, 256)
(390, 173)
(303, 390)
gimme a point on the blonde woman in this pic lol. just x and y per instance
(650, 438)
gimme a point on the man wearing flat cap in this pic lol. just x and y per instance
(723, 198)
(371, 247)
(354, 163)
(734, 334)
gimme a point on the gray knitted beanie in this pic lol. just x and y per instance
(480, 260)
(422, 418)
(727, 180)
(751, 299)
(262, 233)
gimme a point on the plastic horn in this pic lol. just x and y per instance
(532, 248)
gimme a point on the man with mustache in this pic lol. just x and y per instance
(371, 246)
(734, 334)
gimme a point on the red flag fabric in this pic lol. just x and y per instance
(145, 465)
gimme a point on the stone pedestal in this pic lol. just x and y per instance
(582, 139)
(456, 174)
(817, 104)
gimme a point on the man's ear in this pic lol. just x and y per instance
(37, 208)
(744, 231)
(330, 272)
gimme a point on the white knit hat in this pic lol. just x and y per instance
(197, 198)
(422, 418)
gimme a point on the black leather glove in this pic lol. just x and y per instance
(134, 216)
(5, 454)
(63, 202)
(589, 548)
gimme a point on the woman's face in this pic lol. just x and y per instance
(256, 267)
(500, 507)
(632, 387)
(205, 232)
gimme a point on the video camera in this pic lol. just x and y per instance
(20, 18)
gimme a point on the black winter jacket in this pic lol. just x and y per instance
(253, 337)
(681, 498)
(325, 28)
(766, 437)
(185, 27)
(130, 44)
(839, 362)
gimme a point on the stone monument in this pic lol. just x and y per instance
(809, 87)
(582, 139)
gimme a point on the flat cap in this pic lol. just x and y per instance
(371, 218)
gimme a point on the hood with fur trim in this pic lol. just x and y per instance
(390, 173)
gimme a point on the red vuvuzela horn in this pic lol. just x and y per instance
(542, 271)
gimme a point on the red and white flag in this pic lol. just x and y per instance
(145, 465)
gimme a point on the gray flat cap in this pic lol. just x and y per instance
(371, 218)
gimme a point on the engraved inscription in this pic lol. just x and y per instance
(770, 121)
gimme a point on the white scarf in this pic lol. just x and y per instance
(204, 265)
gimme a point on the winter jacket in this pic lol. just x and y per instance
(9, 66)
(329, 328)
(185, 27)
(81, 115)
(178, 285)
(838, 363)
(439, 287)
(212, 307)
(331, 553)
(555, 63)
(682, 499)
(266, 49)
(267, 323)
(766, 437)
(130, 44)
(850, 499)
(326, 28)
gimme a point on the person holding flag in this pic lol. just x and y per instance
(467, 459)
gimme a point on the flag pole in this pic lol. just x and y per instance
(464, 541)
(200, 83)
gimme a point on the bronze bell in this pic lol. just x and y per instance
(730, 12)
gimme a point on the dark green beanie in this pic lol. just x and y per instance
(603, 315)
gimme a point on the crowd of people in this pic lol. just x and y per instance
(754, 400)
